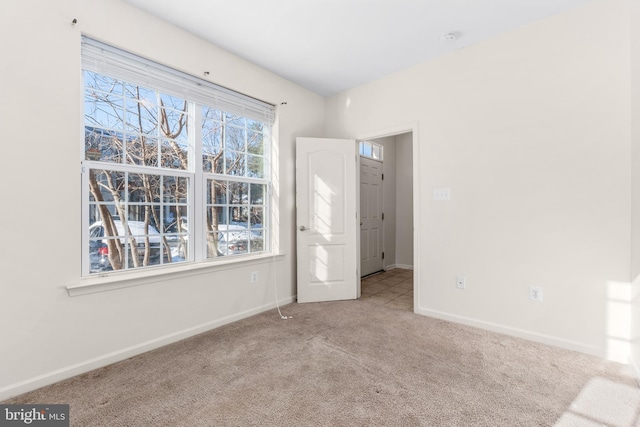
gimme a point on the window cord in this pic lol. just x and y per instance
(275, 287)
(273, 262)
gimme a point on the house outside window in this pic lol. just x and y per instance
(174, 170)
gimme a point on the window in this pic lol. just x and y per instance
(371, 150)
(174, 170)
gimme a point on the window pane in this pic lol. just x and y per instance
(234, 138)
(211, 141)
(217, 192)
(371, 150)
(255, 166)
(238, 193)
(142, 150)
(173, 123)
(239, 215)
(216, 217)
(257, 241)
(235, 163)
(366, 149)
(172, 102)
(257, 194)
(98, 211)
(104, 102)
(175, 155)
(107, 185)
(99, 83)
(216, 227)
(175, 189)
(102, 145)
(237, 243)
(176, 229)
(255, 125)
(103, 110)
(211, 136)
(256, 218)
(232, 119)
(213, 242)
(213, 162)
(255, 142)
(147, 97)
(140, 187)
(141, 118)
(209, 113)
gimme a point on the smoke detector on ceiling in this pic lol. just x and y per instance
(449, 37)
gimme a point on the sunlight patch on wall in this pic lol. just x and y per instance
(618, 318)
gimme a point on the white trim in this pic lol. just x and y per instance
(635, 368)
(514, 332)
(125, 353)
(399, 266)
(124, 279)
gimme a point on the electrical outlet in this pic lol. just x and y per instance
(536, 293)
(440, 194)
(254, 276)
(461, 282)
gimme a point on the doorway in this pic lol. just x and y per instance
(387, 267)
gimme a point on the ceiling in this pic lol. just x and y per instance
(328, 46)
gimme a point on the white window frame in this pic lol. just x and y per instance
(115, 63)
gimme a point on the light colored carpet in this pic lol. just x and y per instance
(350, 363)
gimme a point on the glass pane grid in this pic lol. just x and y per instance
(135, 138)
(131, 227)
(236, 225)
(137, 125)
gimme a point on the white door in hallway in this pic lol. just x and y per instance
(370, 216)
(326, 221)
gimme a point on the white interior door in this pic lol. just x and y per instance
(327, 225)
(370, 216)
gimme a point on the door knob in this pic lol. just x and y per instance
(303, 228)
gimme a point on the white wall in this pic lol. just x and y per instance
(635, 156)
(530, 131)
(47, 335)
(404, 200)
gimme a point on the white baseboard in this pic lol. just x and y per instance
(400, 266)
(514, 332)
(636, 369)
(117, 356)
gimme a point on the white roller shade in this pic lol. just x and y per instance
(113, 62)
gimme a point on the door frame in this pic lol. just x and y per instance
(415, 150)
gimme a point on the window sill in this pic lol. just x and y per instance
(124, 279)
